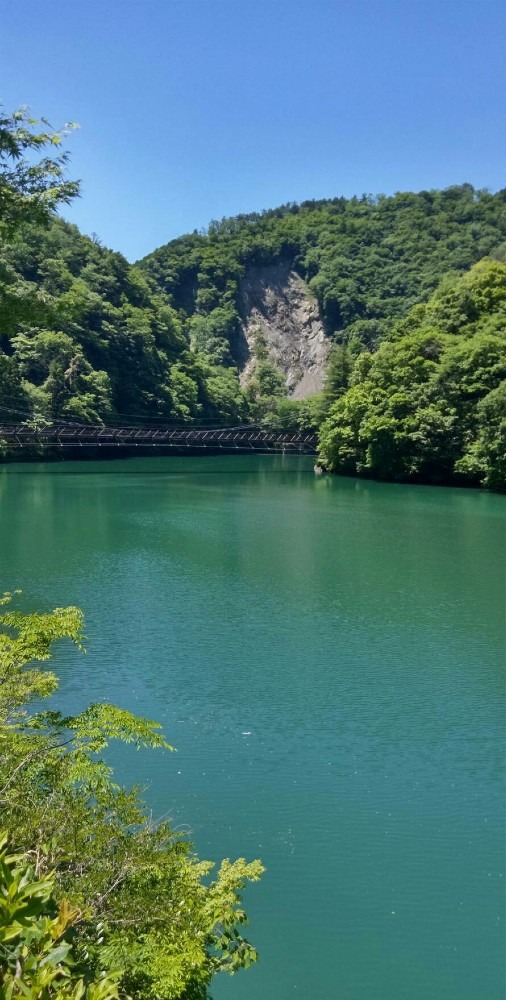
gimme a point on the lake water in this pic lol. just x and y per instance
(328, 657)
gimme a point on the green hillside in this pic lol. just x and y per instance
(367, 260)
(430, 403)
(86, 336)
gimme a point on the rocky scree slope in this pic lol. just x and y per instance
(277, 304)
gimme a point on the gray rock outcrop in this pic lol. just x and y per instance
(277, 303)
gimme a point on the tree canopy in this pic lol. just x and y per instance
(368, 260)
(90, 876)
(31, 189)
(87, 337)
(430, 402)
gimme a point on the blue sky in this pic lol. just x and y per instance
(195, 109)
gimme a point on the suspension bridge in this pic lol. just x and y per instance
(72, 435)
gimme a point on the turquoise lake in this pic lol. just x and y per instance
(328, 656)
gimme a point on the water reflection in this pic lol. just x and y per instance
(328, 657)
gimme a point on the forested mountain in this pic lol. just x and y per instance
(366, 260)
(265, 317)
(87, 337)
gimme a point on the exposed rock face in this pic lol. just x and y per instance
(278, 303)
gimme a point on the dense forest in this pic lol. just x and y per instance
(88, 337)
(430, 403)
(367, 260)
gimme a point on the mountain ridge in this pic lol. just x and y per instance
(269, 317)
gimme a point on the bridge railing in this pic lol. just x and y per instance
(73, 434)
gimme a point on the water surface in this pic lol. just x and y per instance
(328, 657)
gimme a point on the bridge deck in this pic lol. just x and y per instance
(231, 438)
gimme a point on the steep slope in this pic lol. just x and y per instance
(277, 303)
(86, 336)
(341, 269)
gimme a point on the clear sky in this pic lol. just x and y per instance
(195, 109)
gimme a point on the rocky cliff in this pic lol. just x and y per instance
(277, 303)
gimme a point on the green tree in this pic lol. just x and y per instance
(59, 380)
(160, 920)
(31, 191)
(420, 406)
(485, 457)
(337, 373)
(38, 960)
(266, 385)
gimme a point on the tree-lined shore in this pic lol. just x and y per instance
(410, 289)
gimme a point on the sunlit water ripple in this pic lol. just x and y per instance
(328, 657)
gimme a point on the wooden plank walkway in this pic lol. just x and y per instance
(69, 435)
